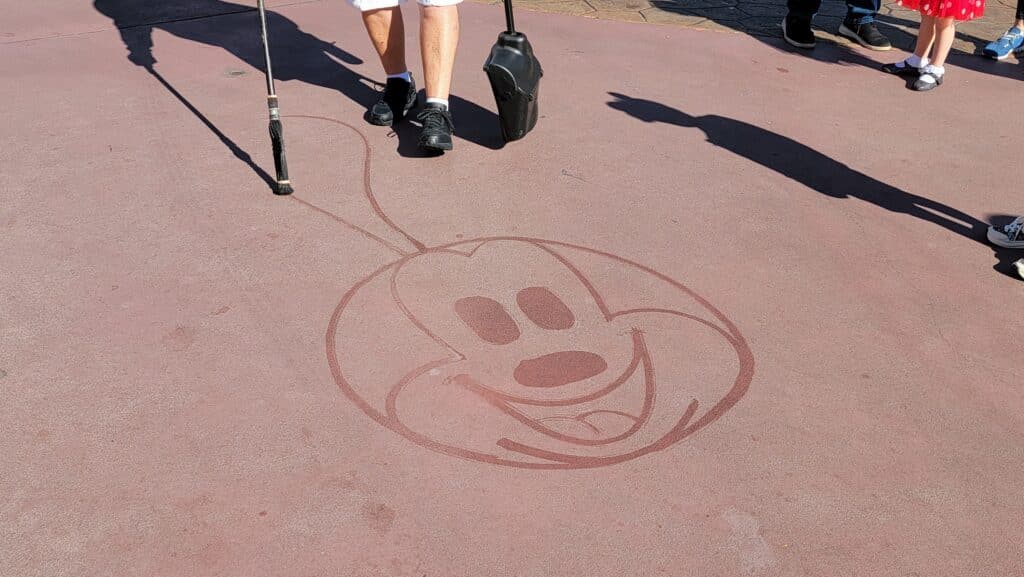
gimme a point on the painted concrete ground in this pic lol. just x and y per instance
(727, 311)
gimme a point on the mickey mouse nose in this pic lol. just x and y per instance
(557, 369)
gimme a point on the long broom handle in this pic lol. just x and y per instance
(266, 48)
(284, 185)
(509, 20)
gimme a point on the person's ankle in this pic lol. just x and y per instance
(917, 61)
(443, 102)
(406, 76)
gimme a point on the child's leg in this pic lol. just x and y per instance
(925, 36)
(945, 33)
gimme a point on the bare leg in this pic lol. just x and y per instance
(945, 33)
(439, 38)
(387, 32)
(925, 36)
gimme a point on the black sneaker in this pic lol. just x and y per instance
(867, 35)
(437, 128)
(797, 32)
(397, 99)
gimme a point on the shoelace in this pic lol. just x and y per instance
(1013, 229)
(435, 119)
(1008, 39)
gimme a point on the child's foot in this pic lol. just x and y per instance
(1009, 236)
(797, 32)
(906, 67)
(1000, 48)
(397, 99)
(931, 77)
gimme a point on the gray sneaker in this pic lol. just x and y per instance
(1009, 236)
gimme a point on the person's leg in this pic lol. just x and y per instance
(945, 33)
(859, 24)
(861, 11)
(386, 28)
(439, 39)
(913, 64)
(796, 27)
(805, 9)
(387, 33)
(925, 37)
(932, 75)
(1010, 42)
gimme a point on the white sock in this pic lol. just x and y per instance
(440, 101)
(915, 61)
(935, 70)
(404, 76)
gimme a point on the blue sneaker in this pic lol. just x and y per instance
(1006, 44)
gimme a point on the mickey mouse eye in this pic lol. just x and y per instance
(545, 309)
(488, 319)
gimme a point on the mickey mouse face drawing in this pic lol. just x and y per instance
(535, 354)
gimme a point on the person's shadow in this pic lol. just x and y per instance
(295, 55)
(812, 169)
(761, 19)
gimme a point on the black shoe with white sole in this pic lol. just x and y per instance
(867, 35)
(797, 32)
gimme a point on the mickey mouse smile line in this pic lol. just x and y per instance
(505, 402)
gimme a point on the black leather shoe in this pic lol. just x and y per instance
(397, 99)
(437, 128)
(901, 68)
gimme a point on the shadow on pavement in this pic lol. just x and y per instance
(296, 55)
(761, 19)
(813, 169)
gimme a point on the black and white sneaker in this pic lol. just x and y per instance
(396, 100)
(1008, 236)
(797, 32)
(867, 35)
(438, 128)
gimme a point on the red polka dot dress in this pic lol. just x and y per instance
(958, 9)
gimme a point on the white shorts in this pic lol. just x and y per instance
(367, 5)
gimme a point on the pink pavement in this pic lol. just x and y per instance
(727, 311)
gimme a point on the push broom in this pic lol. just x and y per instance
(284, 186)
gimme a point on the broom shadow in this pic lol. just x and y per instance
(297, 55)
(232, 146)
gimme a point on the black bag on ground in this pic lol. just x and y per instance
(515, 74)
